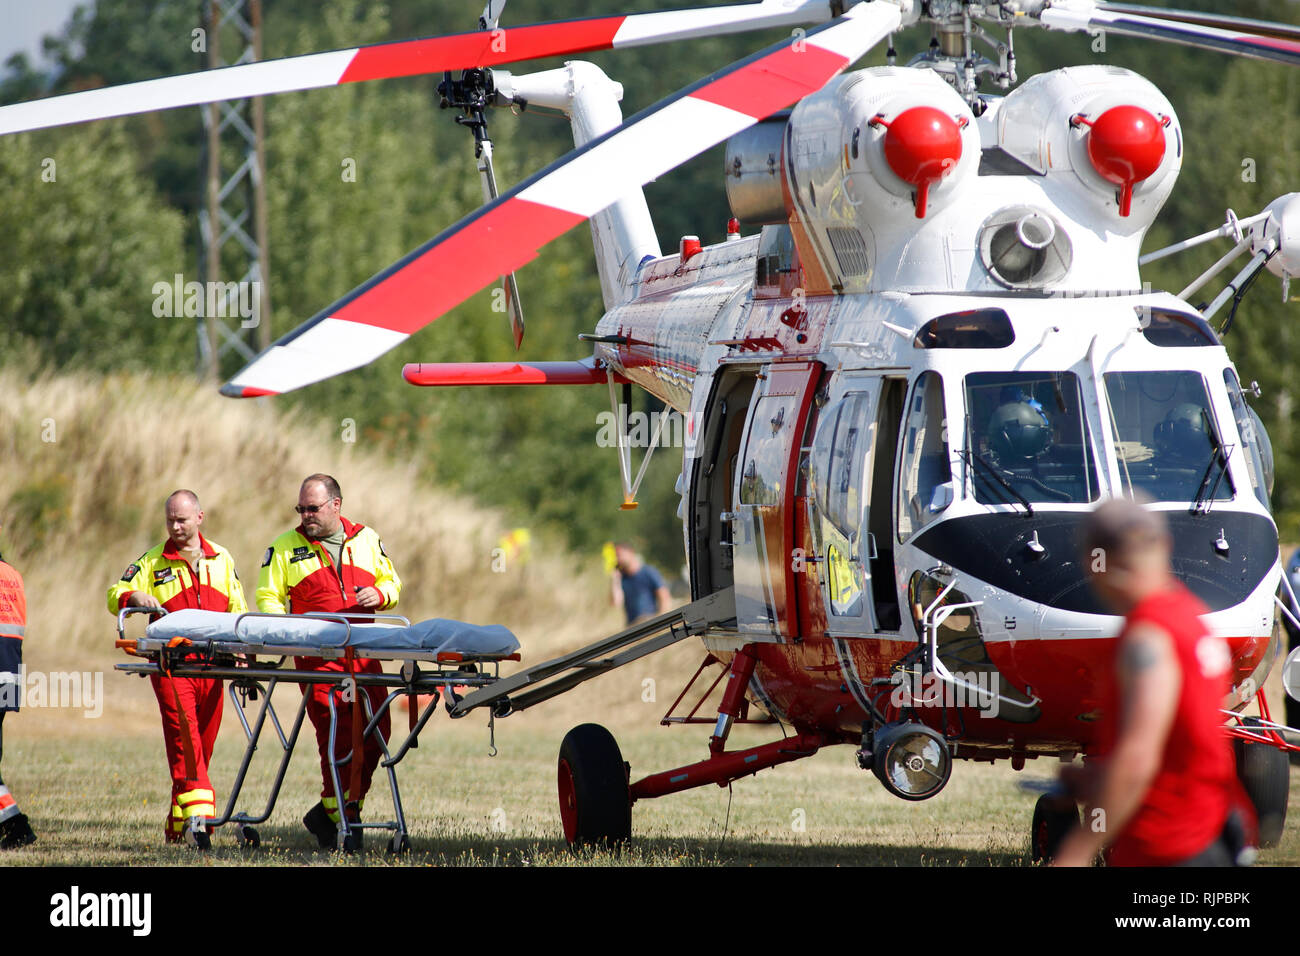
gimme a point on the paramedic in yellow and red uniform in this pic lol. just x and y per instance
(185, 571)
(330, 564)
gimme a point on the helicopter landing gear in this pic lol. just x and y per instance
(1265, 774)
(1055, 815)
(595, 804)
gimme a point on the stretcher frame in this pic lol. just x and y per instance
(423, 672)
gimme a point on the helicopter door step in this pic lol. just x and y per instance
(551, 678)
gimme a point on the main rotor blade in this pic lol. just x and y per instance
(507, 233)
(1283, 31)
(406, 58)
(1076, 15)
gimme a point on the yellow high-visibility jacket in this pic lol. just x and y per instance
(212, 585)
(298, 574)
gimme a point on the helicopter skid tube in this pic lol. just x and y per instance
(722, 768)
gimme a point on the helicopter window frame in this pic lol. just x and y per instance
(990, 482)
(1171, 329)
(1164, 476)
(926, 398)
(837, 476)
(967, 329)
(1247, 431)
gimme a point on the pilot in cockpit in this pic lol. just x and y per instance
(1019, 430)
(1182, 438)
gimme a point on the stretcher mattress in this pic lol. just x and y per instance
(436, 634)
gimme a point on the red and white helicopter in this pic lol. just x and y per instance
(902, 394)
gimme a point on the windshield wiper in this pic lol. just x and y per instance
(972, 459)
(1218, 455)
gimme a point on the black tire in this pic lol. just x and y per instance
(1265, 774)
(249, 838)
(1054, 817)
(595, 805)
(399, 845)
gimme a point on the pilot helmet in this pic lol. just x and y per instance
(1019, 431)
(1184, 434)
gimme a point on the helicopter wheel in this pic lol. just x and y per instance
(249, 839)
(595, 805)
(1054, 817)
(1265, 774)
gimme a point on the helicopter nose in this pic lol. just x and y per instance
(1221, 557)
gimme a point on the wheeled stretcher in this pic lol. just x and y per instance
(250, 651)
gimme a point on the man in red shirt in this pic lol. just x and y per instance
(1163, 789)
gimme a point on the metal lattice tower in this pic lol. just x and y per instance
(232, 224)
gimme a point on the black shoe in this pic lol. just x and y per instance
(16, 832)
(321, 826)
(356, 837)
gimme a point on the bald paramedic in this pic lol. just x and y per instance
(330, 564)
(185, 571)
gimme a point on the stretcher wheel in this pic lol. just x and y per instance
(595, 805)
(1265, 774)
(399, 844)
(249, 838)
(352, 842)
(1054, 817)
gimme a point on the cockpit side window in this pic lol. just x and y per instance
(1253, 438)
(925, 486)
(1165, 437)
(1027, 439)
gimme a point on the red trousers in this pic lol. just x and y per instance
(189, 742)
(319, 711)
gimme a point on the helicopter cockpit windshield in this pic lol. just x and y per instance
(1165, 438)
(1027, 439)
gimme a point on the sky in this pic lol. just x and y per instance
(26, 22)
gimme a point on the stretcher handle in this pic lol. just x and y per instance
(126, 612)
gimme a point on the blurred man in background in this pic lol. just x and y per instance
(1162, 789)
(15, 830)
(638, 588)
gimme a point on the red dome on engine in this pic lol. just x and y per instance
(922, 146)
(1126, 144)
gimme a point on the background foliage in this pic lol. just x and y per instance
(79, 256)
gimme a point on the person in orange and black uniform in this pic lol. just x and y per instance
(15, 830)
(185, 571)
(330, 564)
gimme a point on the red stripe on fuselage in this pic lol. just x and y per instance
(484, 48)
(775, 81)
(500, 241)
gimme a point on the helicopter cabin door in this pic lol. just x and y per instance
(850, 471)
(764, 497)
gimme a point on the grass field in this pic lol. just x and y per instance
(96, 790)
